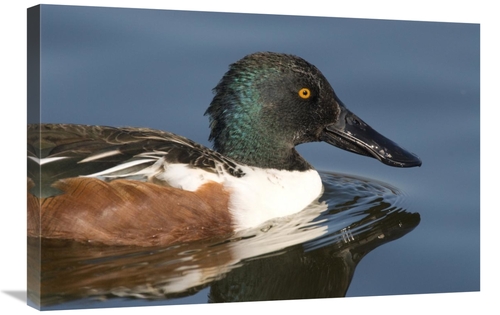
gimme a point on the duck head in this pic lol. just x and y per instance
(267, 103)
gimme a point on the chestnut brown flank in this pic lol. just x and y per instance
(126, 212)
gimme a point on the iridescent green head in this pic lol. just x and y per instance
(267, 103)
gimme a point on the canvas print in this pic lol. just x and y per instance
(181, 157)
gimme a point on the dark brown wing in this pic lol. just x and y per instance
(57, 151)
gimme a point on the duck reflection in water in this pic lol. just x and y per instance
(313, 255)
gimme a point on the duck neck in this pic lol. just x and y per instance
(254, 139)
(260, 150)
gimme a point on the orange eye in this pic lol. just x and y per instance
(305, 93)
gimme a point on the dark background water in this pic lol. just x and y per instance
(415, 82)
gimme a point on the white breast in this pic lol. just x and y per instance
(263, 194)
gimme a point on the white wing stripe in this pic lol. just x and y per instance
(46, 160)
(121, 167)
(100, 156)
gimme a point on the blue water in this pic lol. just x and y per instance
(415, 82)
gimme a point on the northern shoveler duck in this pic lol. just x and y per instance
(144, 187)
